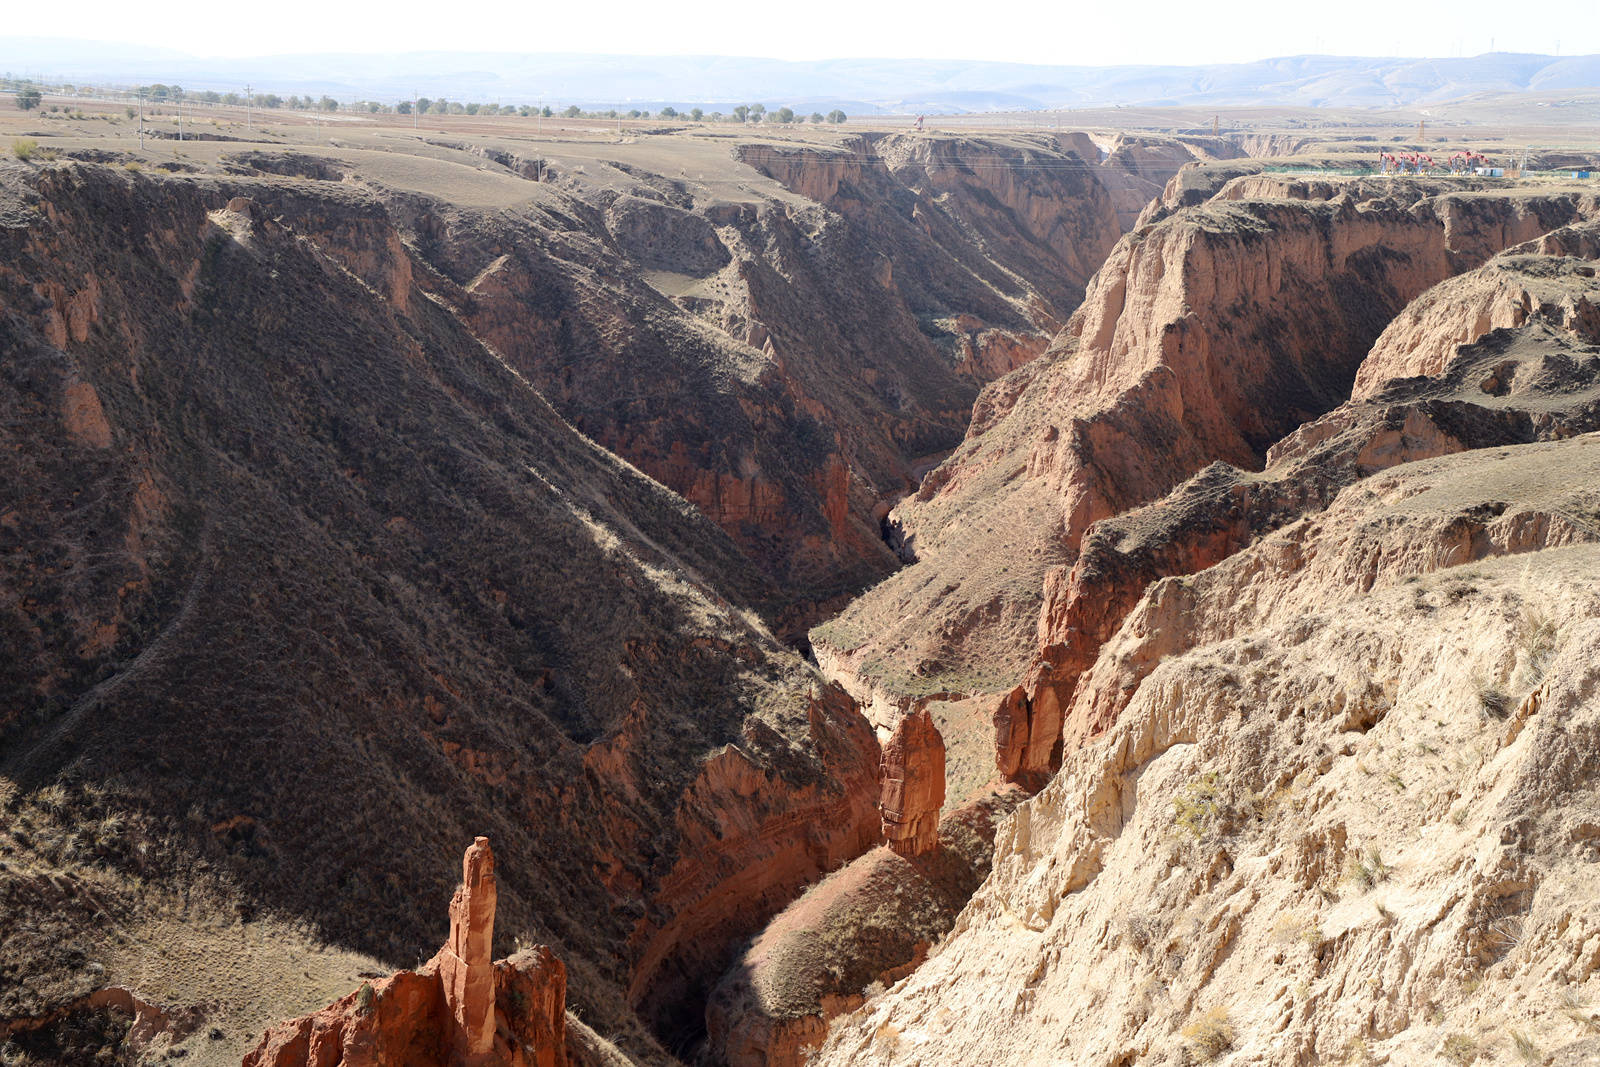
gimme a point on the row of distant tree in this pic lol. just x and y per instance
(28, 97)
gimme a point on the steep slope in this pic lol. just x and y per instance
(1539, 380)
(785, 351)
(1349, 816)
(1206, 336)
(1552, 279)
(309, 586)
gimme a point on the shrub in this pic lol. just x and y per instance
(24, 148)
(1495, 700)
(1461, 1048)
(1195, 809)
(1369, 868)
(1141, 931)
(1210, 1035)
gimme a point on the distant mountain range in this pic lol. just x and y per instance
(862, 86)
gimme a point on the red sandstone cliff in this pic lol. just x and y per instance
(913, 785)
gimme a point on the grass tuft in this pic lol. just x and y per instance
(1210, 1035)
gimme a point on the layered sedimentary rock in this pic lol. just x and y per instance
(1205, 337)
(1345, 813)
(913, 787)
(1026, 220)
(459, 1008)
(1538, 380)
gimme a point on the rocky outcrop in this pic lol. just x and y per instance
(1176, 359)
(1338, 816)
(913, 785)
(1536, 382)
(871, 921)
(1205, 337)
(1355, 545)
(752, 838)
(1503, 294)
(465, 964)
(459, 1008)
(1193, 184)
(1034, 206)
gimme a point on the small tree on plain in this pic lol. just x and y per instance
(328, 103)
(28, 99)
(836, 116)
(669, 112)
(757, 112)
(696, 114)
(816, 116)
(741, 113)
(784, 114)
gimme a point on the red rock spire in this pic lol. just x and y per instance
(466, 963)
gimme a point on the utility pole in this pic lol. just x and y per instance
(141, 122)
(1422, 128)
(1216, 121)
(248, 96)
(414, 99)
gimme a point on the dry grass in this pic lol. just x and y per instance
(1368, 868)
(1210, 1035)
(1461, 1049)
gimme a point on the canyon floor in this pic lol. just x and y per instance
(1098, 588)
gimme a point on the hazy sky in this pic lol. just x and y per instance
(1155, 31)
